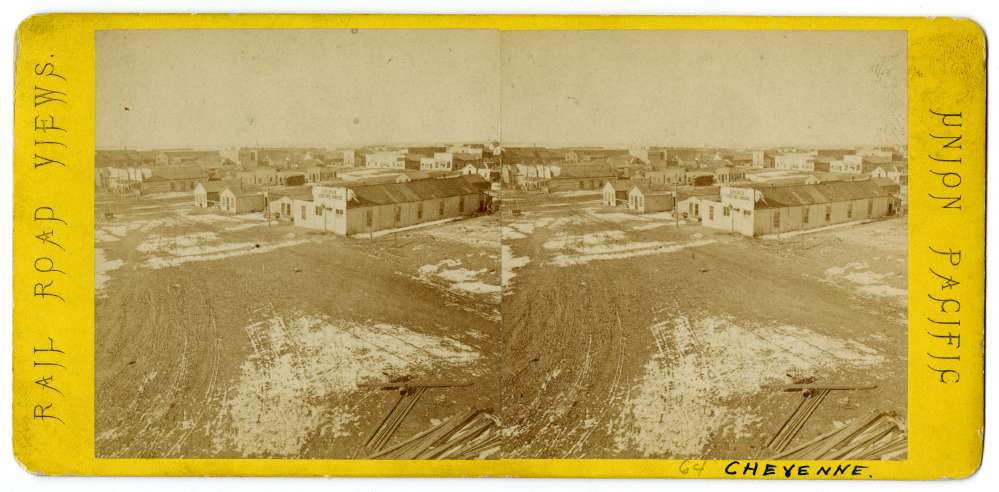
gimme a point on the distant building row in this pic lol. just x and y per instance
(353, 208)
(755, 209)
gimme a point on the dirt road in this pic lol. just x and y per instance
(654, 342)
(258, 354)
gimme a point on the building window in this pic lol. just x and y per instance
(319, 210)
(368, 218)
(303, 212)
(804, 215)
(419, 210)
(849, 210)
(440, 208)
(745, 213)
(711, 212)
(828, 213)
(725, 211)
(777, 219)
(339, 211)
(398, 214)
(870, 208)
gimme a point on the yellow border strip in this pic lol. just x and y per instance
(54, 180)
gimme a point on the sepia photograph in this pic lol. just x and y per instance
(296, 250)
(704, 244)
(459, 244)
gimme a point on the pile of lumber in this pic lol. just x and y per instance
(879, 437)
(792, 426)
(393, 420)
(474, 434)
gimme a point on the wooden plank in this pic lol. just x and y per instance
(381, 424)
(390, 431)
(411, 384)
(812, 386)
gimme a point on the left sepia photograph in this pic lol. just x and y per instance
(296, 254)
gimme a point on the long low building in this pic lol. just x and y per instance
(348, 209)
(233, 200)
(761, 210)
(648, 198)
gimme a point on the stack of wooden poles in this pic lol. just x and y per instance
(879, 437)
(792, 426)
(472, 435)
(393, 419)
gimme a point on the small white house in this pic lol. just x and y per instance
(206, 193)
(615, 193)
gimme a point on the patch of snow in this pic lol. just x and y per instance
(785, 235)
(511, 263)
(304, 372)
(102, 236)
(623, 251)
(511, 234)
(616, 217)
(866, 282)
(461, 279)
(179, 245)
(692, 387)
(477, 288)
(384, 232)
(591, 239)
(217, 252)
(648, 227)
(243, 227)
(102, 269)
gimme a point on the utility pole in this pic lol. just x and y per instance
(676, 211)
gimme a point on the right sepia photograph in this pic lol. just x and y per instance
(704, 244)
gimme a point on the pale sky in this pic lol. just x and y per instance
(213, 88)
(710, 88)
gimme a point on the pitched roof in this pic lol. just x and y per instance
(293, 192)
(183, 172)
(814, 194)
(215, 186)
(877, 159)
(700, 191)
(413, 191)
(652, 189)
(621, 184)
(475, 179)
(236, 191)
(885, 182)
(586, 171)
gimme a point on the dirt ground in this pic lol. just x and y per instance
(621, 335)
(227, 336)
(630, 336)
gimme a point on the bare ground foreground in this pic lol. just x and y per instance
(224, 336)
(630, 336)
(623, 336)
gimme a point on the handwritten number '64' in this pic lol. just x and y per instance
(692, 466)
